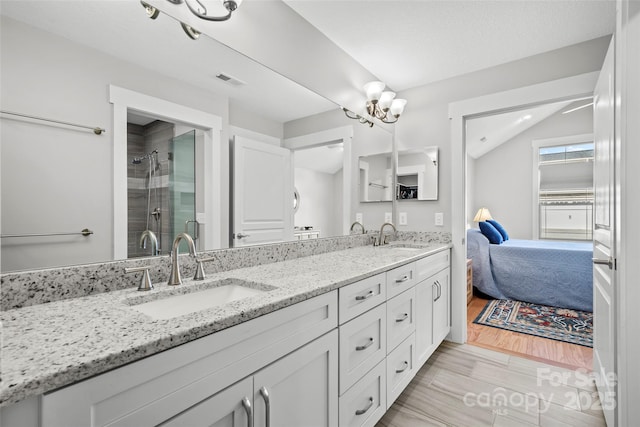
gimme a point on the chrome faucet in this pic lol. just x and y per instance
(361, 226)
(149, 235)
(174, 275)
(382, 239)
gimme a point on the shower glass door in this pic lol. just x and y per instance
(182, 187)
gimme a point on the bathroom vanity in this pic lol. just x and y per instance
(327, 340)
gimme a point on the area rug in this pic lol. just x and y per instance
(560, 324)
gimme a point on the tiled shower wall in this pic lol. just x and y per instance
(140, 141)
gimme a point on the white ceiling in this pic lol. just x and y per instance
(405, 43)
(122, 29)
(409, 43)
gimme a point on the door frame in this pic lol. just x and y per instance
(342, 134)
(124, 99)
(459, 112)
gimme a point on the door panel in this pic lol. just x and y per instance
(604, 304)
(262, 193)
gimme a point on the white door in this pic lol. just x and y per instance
(604, 304)
(262, 193)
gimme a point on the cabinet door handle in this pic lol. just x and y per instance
(403, 318)
(366, 346)
(247, 407)
(369, 405)
(265, 395)
(402, 279)
(365, 296)
(437, 285)
(404, 368)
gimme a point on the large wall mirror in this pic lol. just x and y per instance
(59, 61)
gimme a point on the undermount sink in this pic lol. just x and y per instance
(190, 299)
(404, 246)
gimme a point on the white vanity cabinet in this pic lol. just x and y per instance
(409, 305)
(205, 382)
(433, 318)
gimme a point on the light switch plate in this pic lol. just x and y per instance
(387, 217)
(439, 219)
(359, 217)
(402, 218)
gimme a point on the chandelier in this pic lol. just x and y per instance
(381, 105)
(201, 10)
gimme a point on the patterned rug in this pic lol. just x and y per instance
(560, 324)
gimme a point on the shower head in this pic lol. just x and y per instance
(138, 160)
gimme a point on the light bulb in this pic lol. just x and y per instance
(385, 100)
(374, 90)
(397, 107)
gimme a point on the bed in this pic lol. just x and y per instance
(552, 273)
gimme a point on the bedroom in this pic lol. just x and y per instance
(507, 145)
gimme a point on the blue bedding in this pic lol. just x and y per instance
(557, 274)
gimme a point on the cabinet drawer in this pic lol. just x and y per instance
(400, 279)
(401, 311)
(430, 265)
(356, 298)
(365, 403)
(362, 345)
(401, 368)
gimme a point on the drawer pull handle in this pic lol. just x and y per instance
(247, 407)
(366, 346)
(364, 297)
(404, 368)
(403, 318)
(364, 411)
(402, 279)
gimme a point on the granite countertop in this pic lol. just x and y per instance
(51, 345)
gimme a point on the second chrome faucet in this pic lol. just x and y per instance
(174, 275)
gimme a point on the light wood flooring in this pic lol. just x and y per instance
(468, 386)
(557, 353)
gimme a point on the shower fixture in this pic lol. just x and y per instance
(138, 160)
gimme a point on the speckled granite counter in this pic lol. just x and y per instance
(50, 345)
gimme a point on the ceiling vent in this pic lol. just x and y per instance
(230, 80)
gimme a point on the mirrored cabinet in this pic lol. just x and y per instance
(417, 174)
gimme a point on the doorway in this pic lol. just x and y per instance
(572, 88)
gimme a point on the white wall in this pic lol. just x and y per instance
(503, 178)
(318, 201)
(425, 121)
(56, 179)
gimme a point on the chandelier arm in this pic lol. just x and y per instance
(207, 17)
(346, 113)
(384, 120)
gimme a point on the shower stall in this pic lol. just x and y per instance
(161, 187)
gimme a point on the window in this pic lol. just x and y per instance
(565, 191)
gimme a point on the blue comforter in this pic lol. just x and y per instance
(557, 274)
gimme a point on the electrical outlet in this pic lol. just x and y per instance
(387, 217)
(359, 217)
(402, 218)
(439, 219)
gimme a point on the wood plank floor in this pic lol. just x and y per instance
(549, 351)
(468, 386)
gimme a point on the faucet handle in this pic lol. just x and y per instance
(145, 283)
(200, 268)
